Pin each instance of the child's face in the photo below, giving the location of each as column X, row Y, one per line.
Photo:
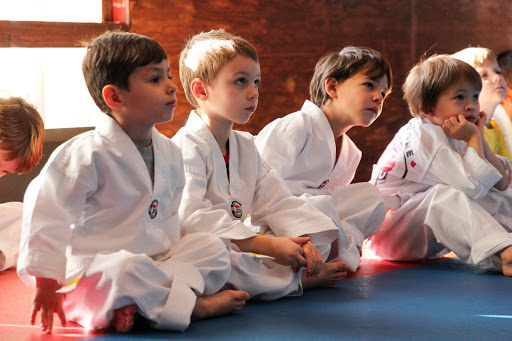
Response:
column 233, row 95
column 459, row 99
column 359, row 99
column 494, row 87
column 151, row 97
column 7, row 167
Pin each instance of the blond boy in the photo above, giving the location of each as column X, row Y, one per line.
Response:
column 227, row 180
column 494, row 90
column 503, row 113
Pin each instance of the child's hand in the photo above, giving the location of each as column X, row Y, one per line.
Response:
column 459, row 128
column 288, row 251
column 48, row 302
column 313, row 259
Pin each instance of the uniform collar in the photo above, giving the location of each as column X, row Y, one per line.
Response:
column 311, row 109
column 196, row 125
column 110, row 129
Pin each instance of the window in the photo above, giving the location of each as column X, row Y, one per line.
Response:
column 52, row 10
column 40, row 57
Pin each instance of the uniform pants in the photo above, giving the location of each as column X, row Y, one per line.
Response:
column 164, row 290
column 441, row 219
column 262, row 279
column 358, row 210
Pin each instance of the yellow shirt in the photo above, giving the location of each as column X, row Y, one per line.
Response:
column 496, row 140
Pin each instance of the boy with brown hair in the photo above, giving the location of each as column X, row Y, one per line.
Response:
column 103, row 213
column 21, row 147
column 453, row 189
column 313, row 154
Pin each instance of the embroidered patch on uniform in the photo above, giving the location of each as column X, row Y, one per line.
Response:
column 413, row 163
column 153, row 209
column 236, row 209
column 322, row 185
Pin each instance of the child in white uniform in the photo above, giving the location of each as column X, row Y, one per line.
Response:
column 21, row 147
column 312, row 152
column 227, row 179
column 452, row 187
column 99, row 207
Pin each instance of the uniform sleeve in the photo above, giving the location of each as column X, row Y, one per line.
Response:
column 10, row 232
column 53, row 203
column 468, row 173
column 288, row 215
column 197, row 213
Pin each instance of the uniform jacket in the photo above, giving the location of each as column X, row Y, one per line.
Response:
column 95, row 195
column 301, row 147
column 212, row 202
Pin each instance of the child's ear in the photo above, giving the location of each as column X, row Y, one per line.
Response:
column 112, row 97
column 331, row 87
column 198, row 88
column 427, row 113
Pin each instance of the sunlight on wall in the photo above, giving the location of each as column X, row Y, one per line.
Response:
column 52, row 80
column 51, row 10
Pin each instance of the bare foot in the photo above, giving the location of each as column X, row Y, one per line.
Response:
column 506, row 260
column 122, row 321
column 220, row 303
column 330, row 274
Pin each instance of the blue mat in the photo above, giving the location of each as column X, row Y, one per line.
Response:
column 445, row 300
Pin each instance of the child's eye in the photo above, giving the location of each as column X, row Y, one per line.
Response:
column 155, row 79
column 459, row 97
column 369, row 85
column 241, row 81
column 256, row 82
column 475, row 97
column 483, row 75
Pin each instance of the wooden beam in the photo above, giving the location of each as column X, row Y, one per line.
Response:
column 51, row 34
column 107, row 10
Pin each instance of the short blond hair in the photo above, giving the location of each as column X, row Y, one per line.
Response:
column 21, row 133
column 206, row 53
column 428, row 79
column 476, row 56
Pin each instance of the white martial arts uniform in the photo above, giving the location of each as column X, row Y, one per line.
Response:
column 215, row 203
column 447, row 197
column 10, row 231
column 94, row 206
column 505, row 123
column 301, row 147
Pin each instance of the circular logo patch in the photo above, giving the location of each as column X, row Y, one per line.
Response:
column 236, row 209
column 153, row 209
